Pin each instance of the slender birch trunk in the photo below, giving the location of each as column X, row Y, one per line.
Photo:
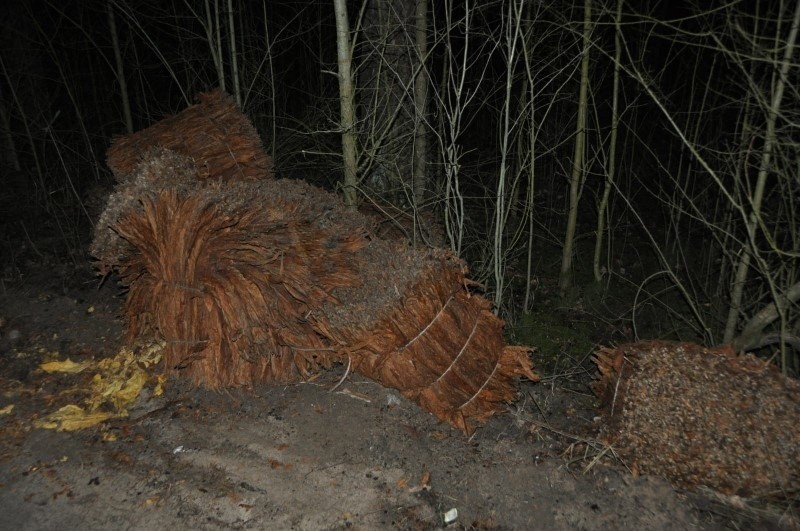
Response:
column 576, row 178
column 234, row 61
column 219, row 45
column 123, row 84
column 764, row 166
column 602, row 208
column 216, row 53
column 530, row 78
column 421, row 107
column 346, row 103
column 273, row 95
column 512, row 37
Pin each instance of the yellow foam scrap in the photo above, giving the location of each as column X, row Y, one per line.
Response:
column 66, row 365
column 117, row 383
column 72, row 417
column 123, row 377
column 161, row 381
column 121, row 391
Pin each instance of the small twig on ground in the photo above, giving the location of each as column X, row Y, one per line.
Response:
column 344, row 377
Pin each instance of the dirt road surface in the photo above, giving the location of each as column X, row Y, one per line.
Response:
column 304, row 456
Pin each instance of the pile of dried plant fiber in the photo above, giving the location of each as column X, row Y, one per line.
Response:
column 702, row 416
column 220, row 141
column 252, row 280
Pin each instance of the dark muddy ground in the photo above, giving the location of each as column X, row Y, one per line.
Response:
column 301, row 456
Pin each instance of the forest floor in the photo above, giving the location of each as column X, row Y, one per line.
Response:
column 304, row 456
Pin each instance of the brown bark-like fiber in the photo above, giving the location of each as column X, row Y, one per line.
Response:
column 228, row 273
column 701, row 416
column 232, row 288
column 440, row 346
column 261, row 280
column 159, row 169
column 219, row 139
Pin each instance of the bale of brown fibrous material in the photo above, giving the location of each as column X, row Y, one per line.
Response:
column 159, row 169
column 229, row 273
column 251, row 280
column 415, row 326
column 214, row 134
column 262, row 281
column 701, row 417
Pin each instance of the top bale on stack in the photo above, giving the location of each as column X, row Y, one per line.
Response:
column 220, row 139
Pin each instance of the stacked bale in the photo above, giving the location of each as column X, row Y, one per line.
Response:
column 250, row 280
column 438, row 343
column 219, row 139
column 228, row 273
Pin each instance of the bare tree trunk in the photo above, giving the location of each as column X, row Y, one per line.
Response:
column 346, row 103
column 421, row 100
column 214, row 44
column 513, row 30
column 452, row 98
column 273, row 94
column 527, row 50
column 123, row 84
column 234, row 61
column 602, row 208
column 576, row 178
column 219, row 45
column 763, row 170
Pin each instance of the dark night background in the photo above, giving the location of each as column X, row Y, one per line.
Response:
column 705, row 166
